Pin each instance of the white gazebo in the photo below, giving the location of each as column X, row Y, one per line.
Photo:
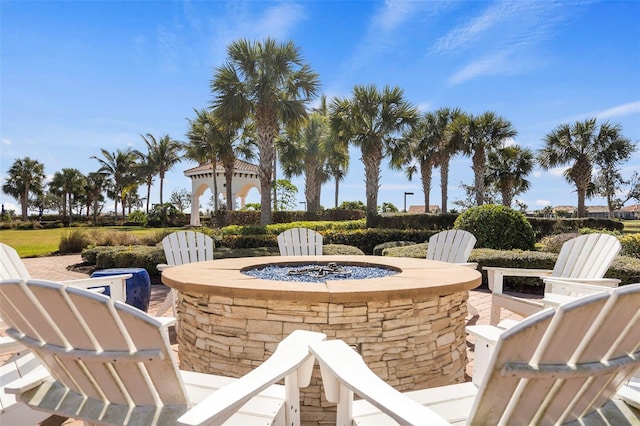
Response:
column 245, row 177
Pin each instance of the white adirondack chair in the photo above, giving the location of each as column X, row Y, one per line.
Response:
column 300, row 242
column 555, row 367
column 453, row 246
column 179, row 248
column 584, row 259
column 21, row 362
column 110, row 363
column 11, row 266
column 12, row 412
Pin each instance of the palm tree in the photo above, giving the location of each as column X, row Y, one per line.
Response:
column 120, row 166
column 373, row 120
column 96, row 183
column 306, row 151
column 478, row 135
column 447, row 148
column 424, row 140
column 163, row 154
column 23, row 178
column 582, row 145
column 268, row 83
column 507, row 170
column 67, row 183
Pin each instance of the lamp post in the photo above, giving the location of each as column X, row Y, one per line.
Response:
column 405, row 200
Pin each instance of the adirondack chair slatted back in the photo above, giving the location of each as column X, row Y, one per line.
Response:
column 11, row 264
column 300, row 242
column 586, row 256
column 453, row 246
column 555, row 369
column 186, row 247
column 87, row 342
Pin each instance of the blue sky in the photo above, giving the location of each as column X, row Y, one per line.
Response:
column 78, row 76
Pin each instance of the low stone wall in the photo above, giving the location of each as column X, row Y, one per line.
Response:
column 411, row 343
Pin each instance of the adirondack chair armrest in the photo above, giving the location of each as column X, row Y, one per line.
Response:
column 167, row 321
column 345, row 373
column 118, row 284
column 586, row 284
column 496, row 274
column 32, row 379
column 291, row 361
column 486, row 339
column 9, row 345
column 472, row 265
column 162, row 266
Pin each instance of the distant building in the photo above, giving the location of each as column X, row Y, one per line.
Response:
column 628, row 212
column 435, row 209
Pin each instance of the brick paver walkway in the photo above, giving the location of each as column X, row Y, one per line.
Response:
column 55, row 268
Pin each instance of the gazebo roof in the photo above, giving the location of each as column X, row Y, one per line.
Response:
column 239, row 166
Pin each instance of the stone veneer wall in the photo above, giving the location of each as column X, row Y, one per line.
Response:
column 410, row 343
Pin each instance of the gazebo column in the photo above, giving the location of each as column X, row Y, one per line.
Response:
column 195, row 206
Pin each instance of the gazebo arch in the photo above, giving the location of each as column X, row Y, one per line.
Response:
column 245, row 177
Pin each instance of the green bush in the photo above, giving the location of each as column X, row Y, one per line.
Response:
column 553, row 243
column 497, row 227
column 380, row 248
column 341, row 250
column 630, row 245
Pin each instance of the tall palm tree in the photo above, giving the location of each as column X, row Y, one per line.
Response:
column 306, row 151
column 507, row 170
column 447, row 148
column 268, row 83
column 25, row 177
column 477, row 136
column 163, row 154
column 95, row 185
column 423, row 141
column 67, row 183
column 120, row 166
column 582, row 145
column 373, row 120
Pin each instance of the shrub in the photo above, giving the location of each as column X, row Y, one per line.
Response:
column 341, row 250
column 380, row 248
column 74, row 241
column 166, row 215
column 630, row 245
column 497, row 227
column 553, row 243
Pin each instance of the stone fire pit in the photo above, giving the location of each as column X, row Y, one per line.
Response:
column 409, row 327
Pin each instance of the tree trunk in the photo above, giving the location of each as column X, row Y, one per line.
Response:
column 23, row 203
column 214, row 188
column 228, row 179
column 267, row 128
column 478, row 172
column 426, row 171
column 444, row 184
column 372, row 162
column 336, row 193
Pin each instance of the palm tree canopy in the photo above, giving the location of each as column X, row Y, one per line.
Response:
column 267, row 80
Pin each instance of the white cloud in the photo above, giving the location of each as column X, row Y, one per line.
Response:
column 6, row 141
column 542, row 202
column 557, row 171
column 620, row 110
column 488, row 65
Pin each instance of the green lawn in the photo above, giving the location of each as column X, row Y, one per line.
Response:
column 44, row 242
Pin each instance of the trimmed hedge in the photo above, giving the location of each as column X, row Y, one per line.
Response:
column 414, row 221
